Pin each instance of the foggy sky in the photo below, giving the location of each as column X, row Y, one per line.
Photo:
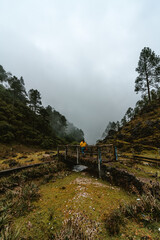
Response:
column 80, row 55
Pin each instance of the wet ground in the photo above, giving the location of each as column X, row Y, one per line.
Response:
column 79, row 168
column 79, row 203
column 78, row 198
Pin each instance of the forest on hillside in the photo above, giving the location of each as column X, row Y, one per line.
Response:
column 148, row 84
column 23, row 118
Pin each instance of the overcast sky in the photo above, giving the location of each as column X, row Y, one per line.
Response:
column 81, row 55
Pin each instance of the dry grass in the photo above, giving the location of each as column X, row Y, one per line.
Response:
column 21, row 159
column 145, row 209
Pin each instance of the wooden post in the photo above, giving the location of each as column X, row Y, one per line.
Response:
column 77, row 155
column 115, row 153
column 66, row 150
column 99, row 162
column 91, row 152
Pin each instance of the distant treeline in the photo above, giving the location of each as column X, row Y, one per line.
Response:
column 147, row 82
column 23, row 119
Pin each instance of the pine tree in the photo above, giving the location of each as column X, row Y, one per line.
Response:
column 17, row 88
column 35, row 99
column 3, row 75
column 149, row 72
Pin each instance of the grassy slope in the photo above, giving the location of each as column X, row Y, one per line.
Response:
column 141, row 170
column 20, row 155
column 144, row 129
column 75, row 195
column 89, row 199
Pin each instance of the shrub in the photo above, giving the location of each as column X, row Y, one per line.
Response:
column 7, row 138
column 19, row 201
column 147, row 205
column 47, row 143
column 114, row 222
column 12, row 163
column 7, row 233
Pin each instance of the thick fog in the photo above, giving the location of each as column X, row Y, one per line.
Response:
column 80, row 55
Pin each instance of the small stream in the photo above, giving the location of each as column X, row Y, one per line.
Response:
column 79, row 168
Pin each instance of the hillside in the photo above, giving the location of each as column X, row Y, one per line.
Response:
column 24, row 120
column 142, row 129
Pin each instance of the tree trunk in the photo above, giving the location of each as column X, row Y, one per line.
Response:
column 148, row 88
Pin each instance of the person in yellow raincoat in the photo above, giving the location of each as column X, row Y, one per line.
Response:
column 83, row 145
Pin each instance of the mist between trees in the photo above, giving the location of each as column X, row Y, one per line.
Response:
column 147, row 82
column 23, row 119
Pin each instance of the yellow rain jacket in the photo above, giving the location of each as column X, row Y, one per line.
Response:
column 83, row 144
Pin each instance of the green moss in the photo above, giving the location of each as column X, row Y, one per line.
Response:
column 91, row 198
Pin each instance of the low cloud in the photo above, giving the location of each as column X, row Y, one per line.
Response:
column 81, row 55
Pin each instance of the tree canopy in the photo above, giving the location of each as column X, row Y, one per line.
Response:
column 147, row 83
column 149, row 72
column 23, row 118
